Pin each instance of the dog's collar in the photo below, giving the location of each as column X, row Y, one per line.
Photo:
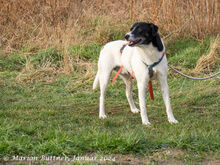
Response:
column 122, row 48
column 150, row 67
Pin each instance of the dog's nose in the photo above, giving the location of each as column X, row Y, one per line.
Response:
column 127, row 36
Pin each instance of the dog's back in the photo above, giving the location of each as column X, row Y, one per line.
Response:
column 109, row 58
column 111, row 51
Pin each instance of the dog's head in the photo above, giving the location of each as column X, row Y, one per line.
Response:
column 141, row 33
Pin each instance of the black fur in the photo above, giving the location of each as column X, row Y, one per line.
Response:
column 148, row 32
column 157, row 42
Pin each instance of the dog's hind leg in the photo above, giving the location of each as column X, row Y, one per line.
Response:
column 166, row 98
column 103, row 81
column 129, row 83
column 96, row 81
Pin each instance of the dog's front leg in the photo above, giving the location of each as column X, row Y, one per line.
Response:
column 166, row 98
column 128, row 82
column 141, row 96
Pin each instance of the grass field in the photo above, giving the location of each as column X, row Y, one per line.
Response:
column 45, row 112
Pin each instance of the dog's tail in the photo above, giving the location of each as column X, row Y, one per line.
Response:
column 96, row 81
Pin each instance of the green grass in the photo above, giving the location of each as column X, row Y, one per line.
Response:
column 60, row 118
column 187, row 52
column 88, row 52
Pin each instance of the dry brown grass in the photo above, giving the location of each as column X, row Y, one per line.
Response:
column 44, row 73
column 60, row 23
column 47, row 72
column 207, row 63
column 49, row 23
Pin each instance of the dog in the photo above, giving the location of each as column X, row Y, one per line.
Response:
column 142, row 48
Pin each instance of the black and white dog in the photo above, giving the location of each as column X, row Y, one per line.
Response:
column 144, row 48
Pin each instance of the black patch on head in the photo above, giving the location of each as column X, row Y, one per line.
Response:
column 149, row 32
column 154, row 29
column 157, row 42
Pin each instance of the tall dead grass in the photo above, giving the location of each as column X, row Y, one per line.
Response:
column 207, row 63
column 50, row 23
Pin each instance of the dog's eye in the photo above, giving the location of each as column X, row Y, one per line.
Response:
column 139, row 30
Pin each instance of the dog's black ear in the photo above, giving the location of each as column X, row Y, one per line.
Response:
column 154, row 29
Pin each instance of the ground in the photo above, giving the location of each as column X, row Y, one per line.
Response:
column 46, row 112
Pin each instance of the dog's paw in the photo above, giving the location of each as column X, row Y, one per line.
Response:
column 102, row 116
column 146, row 123
column 135, row 110
column 173, row 121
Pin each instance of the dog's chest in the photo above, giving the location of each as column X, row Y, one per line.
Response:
column 133, row 56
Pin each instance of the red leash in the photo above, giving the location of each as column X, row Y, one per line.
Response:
column 117, row 74
column 150, row 88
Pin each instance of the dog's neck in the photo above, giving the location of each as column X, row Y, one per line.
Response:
column 149, row 53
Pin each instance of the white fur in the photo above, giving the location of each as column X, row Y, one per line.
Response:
column 132, row 59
